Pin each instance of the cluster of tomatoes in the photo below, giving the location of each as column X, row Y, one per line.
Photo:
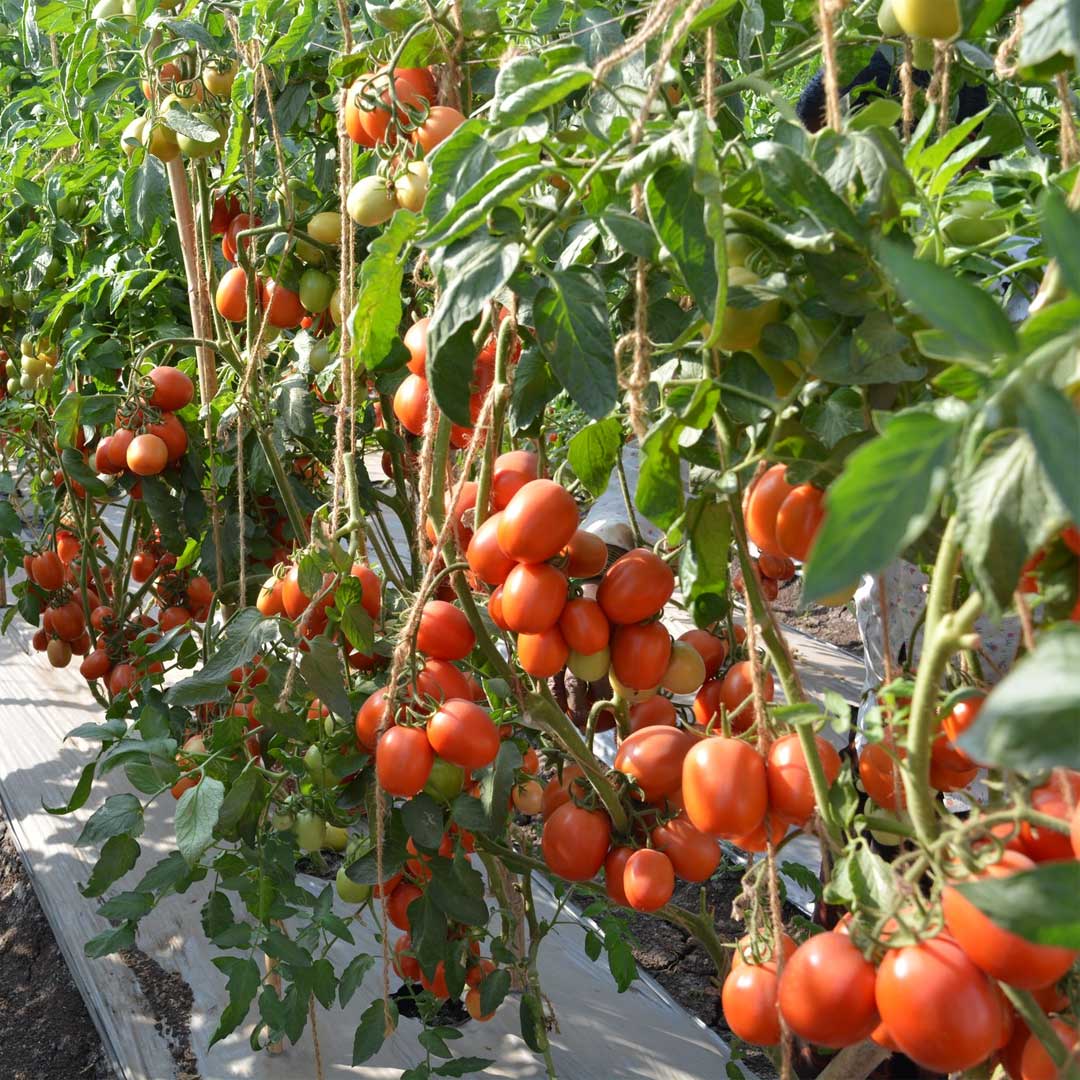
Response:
column 379, row 109
column 412, row 396
column 63, row 632
column 148, row 436
column 33, row 368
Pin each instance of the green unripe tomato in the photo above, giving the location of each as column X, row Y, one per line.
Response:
column 27, row 382
column 886, row 20
column 316, row 767
column 319, row 357
column 316, row 288
column 34, row 366
column 13, row 385
column 445, row 780
column 45, row 476
column 349, row 890
column 922, row 54
column 932, row 19
column 325, row 227
column 592, row 667
column 336, row 839
column 969, row 223
column 310, row 831
column 21, row 300
column 199, row 148
column 26, row 346
column 743, row 327
column 282, row 821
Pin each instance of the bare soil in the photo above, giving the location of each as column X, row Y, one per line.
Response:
column 834, row 625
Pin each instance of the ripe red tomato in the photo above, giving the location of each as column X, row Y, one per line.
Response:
column 172, row 433
column 231, row 296
column 59, row 653
column 511, row 472
column 147, row 455
column 653, row 712
column 442, row 121
column 938, row 1007
column 411, row 404
column 1004, row 955
column 371, row 589
column 544, row 654
column 1036, row 1063
column 713, row 649
column 636, row 587
column 723, row 787
column 421, row 80
column 772, row 830
column 558, row 790
column 762, row 505
column 282, row 306
column 486, row 559
column 533, row 597
column 586, row 555
column 957, row 722
column 694, row 855
column 68, row 621
column 791, row 795
column 119, row 442
column 1071, row 536
column 494, row 607
column 537, row 522
column 143, row 564
column 826, row 992
column 172, row 389
column 397, row 904
column 798, row 521
column 640, row 654
column 614, row 868
column 575, row 841
column 648, row 879
column 225, row 209
column 463, row 734
column 777, row 569
column 653, row 758
column 444, row 632
column 440, row 680
column 353, row 115
column 1057, row 797
column 748, row 1000
column 369, row 717
column 584, row 626
column 96, row 665
column 47, row 570
column 415, row 341
column 122, row 679
column 880, row 776
column 403, row 760
column 240, row 223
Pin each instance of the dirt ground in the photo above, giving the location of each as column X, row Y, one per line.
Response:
column 834, row 625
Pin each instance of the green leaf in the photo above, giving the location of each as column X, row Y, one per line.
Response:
column 493, row 989
column 539, row 94
column 972, row 316
column 424, row 821
column 246, row 791
column 462, row 1066
column 703, row 568
column 575, row 337
column 496, row 784
column 1049, row 43
column 1039, row 905
column 677, row 213
column 282, row 947
column 862, row 877
column 458, row 891
column 118, row 855
column 146, row 197
column 320, row 668
column 594, row 451
column 376, row 317
column 871, row 353
column 80, row 794
column 127, row 905
column 534, row 386
column 115, row 939
column 118, row 815
column 886, row 496
column 1061, row 233
column 427, row 926
column 244, row 980
column 621, row 962
column 196, row 815
column 353, row 975
column 659, row 494
column 1031, row 721
column 1053, row 425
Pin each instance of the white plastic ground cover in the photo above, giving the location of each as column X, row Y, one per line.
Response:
column 602, row 1035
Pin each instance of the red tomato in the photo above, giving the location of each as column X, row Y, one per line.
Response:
column 47, row 570
column 403, row 760
column 371, row 588
column 119, row 442
column 1057, row 797
column 415, row 341
column 614, row 868
column 411, row 404
column 653, row 758
column 653, row 712
column 636, row 587
column 559, row 789
column 724, row 787
column 240, row 223
column 147, row 455
column 122, row 679
column 231, row 296
column 1074, row 833
column 938, row 1007
column 408, row 967
column 798, row 521
column 586, row 555
column 173, row 434
column 494, row 607
column 282, row 305
column 748, row 1000
column 421, row 80
column 1036, row 1063
column 225, row 209
column 712, row 649
column 442, row 121
column 1004, row 955
column 762, row 506
column 826, row 992
column 440, row 680
column 955, row 724
column 142, row 566
column 776, row 568
column 68, row 621
column 511, row 472
column 172, row 617
column 584, row 626
column 694, row 855
column 1071, row 536
column 444, row 632
column 640, row 654
column 533, row 597
column 486, row 559
column 96, row 665
column 538, row 522
column 575, row 842
column 354, row 115
column 791, row 795
column 397, row 904
column 648, row 880
column 463, row 734
column 881, row 776
column 544, row 654
column 172, row 389
column 772, row 829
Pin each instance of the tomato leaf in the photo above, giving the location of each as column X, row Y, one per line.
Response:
column 118, row 856
column 1053, row 426
column 575, row 337
column 244, row 980
column 534, row 386
column 493, row 989
column 353, row 975
column 118, row 815
column 321, row 669
column 196, row 815
column 594, row 451
column 1039, row 905
column 462, row 1066
column 458, row 891
column 862, row 877
column 703, row 568
column 886, row 496
column 1061, row 233
column 1032, row 719
column 496, row 784
column 424, row 822
column 659, row 494
column 115, row 939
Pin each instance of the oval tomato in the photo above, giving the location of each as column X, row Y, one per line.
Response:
column 938, row 1007
column 748, row 1000
column 724, row 787
column 614, row 868
column 575, row 841
column 653, row 758
column 657, row 711
column 440, row 680
column 47, row 570
column 791, row 794
column 586, row 555
column 544, row 654
column 463, row 734
column 772, row 830
column 397, row 904
column 537, row 522
column 1057, row 797
column 486, row 559
column 798, row 521
column 403, row 760
column 494, row 606
column 444, row 632
column 511, row 472
column 636, row 587
column 584, row 626
column 880, row 775
column 533, row 597
column 1035, row 1061
column 411, row 404
column 712, row 649
column 559, row 789
column 685, row 672
column 648, row 880
column 415, row 341
column 173, row 434
column 826, row 992
column 147, row 455
column 694, row 855
column 640, row 655
column 762, row 506
column 282, row 306
column 172, row 388
column 231, row 297
column 369, row 717
column 442, row 121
